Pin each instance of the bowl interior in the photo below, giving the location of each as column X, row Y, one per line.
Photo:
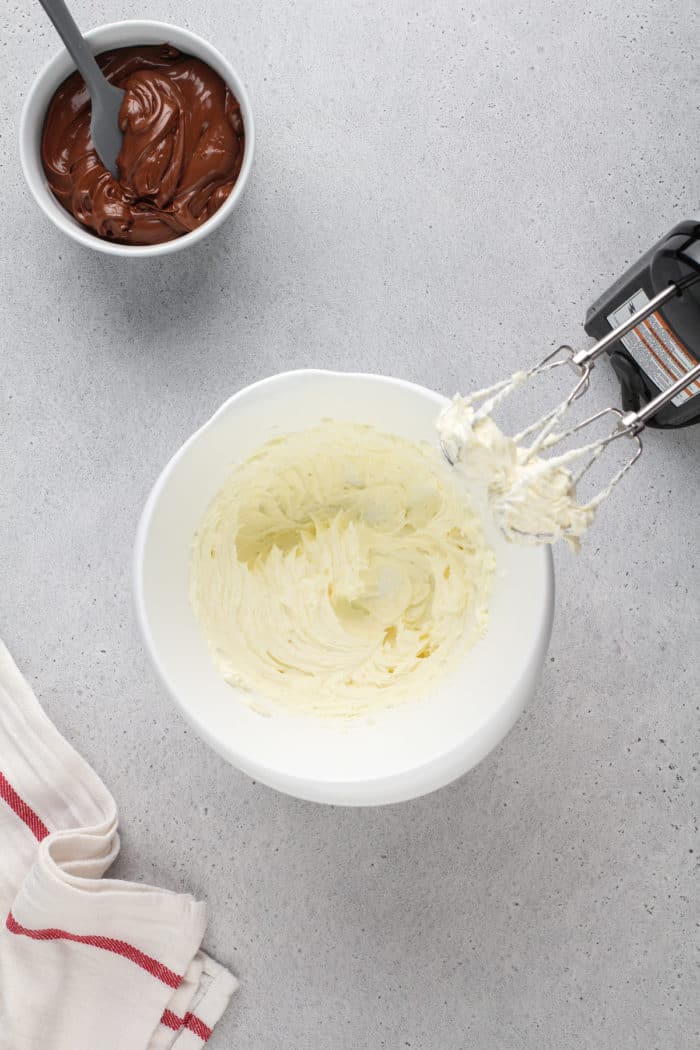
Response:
column 399, row 752
column 123, row 34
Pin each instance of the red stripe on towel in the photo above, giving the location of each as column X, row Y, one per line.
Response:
column 171, row 1020
column 108, row 944
column 23, row 811
column 191, row 1021
column 198, row 1027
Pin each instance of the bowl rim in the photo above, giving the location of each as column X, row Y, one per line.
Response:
column 395, row 787
column 36, row 180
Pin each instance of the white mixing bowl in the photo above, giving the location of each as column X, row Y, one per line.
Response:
column 401, row 753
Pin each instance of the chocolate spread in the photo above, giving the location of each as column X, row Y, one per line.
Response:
column 181, row 154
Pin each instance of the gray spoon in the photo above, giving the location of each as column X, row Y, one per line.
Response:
column 106, row 99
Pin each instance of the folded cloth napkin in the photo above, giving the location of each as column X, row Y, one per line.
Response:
column 86, row 963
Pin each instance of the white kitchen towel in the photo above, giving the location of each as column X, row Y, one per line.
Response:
column 86, row 963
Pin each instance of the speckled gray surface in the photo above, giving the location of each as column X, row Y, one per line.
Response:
column 438, row 189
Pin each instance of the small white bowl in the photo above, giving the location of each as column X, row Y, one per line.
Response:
column 125, row 34
column 400, row 753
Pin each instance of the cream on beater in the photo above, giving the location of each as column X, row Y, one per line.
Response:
column 532, row 497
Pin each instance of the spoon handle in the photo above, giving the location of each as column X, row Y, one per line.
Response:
column 76, row 44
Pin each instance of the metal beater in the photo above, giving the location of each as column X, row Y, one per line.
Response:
column 544, row 432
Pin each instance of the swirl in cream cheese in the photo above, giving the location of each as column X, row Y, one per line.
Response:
column 339, row 570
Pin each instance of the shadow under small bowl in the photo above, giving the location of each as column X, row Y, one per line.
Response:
column 398, row 753
column 104, row 38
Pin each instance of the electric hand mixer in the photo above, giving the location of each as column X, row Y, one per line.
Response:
column 657, row 365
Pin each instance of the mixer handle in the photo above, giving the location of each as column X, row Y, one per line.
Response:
column 585, row 358
column 633, row 422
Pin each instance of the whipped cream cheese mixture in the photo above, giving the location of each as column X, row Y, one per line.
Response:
column 532, row 498
column 340, row 570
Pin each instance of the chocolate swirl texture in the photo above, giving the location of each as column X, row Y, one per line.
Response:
column 180, row 158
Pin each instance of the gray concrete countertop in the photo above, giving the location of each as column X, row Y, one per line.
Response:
column 439, row 192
